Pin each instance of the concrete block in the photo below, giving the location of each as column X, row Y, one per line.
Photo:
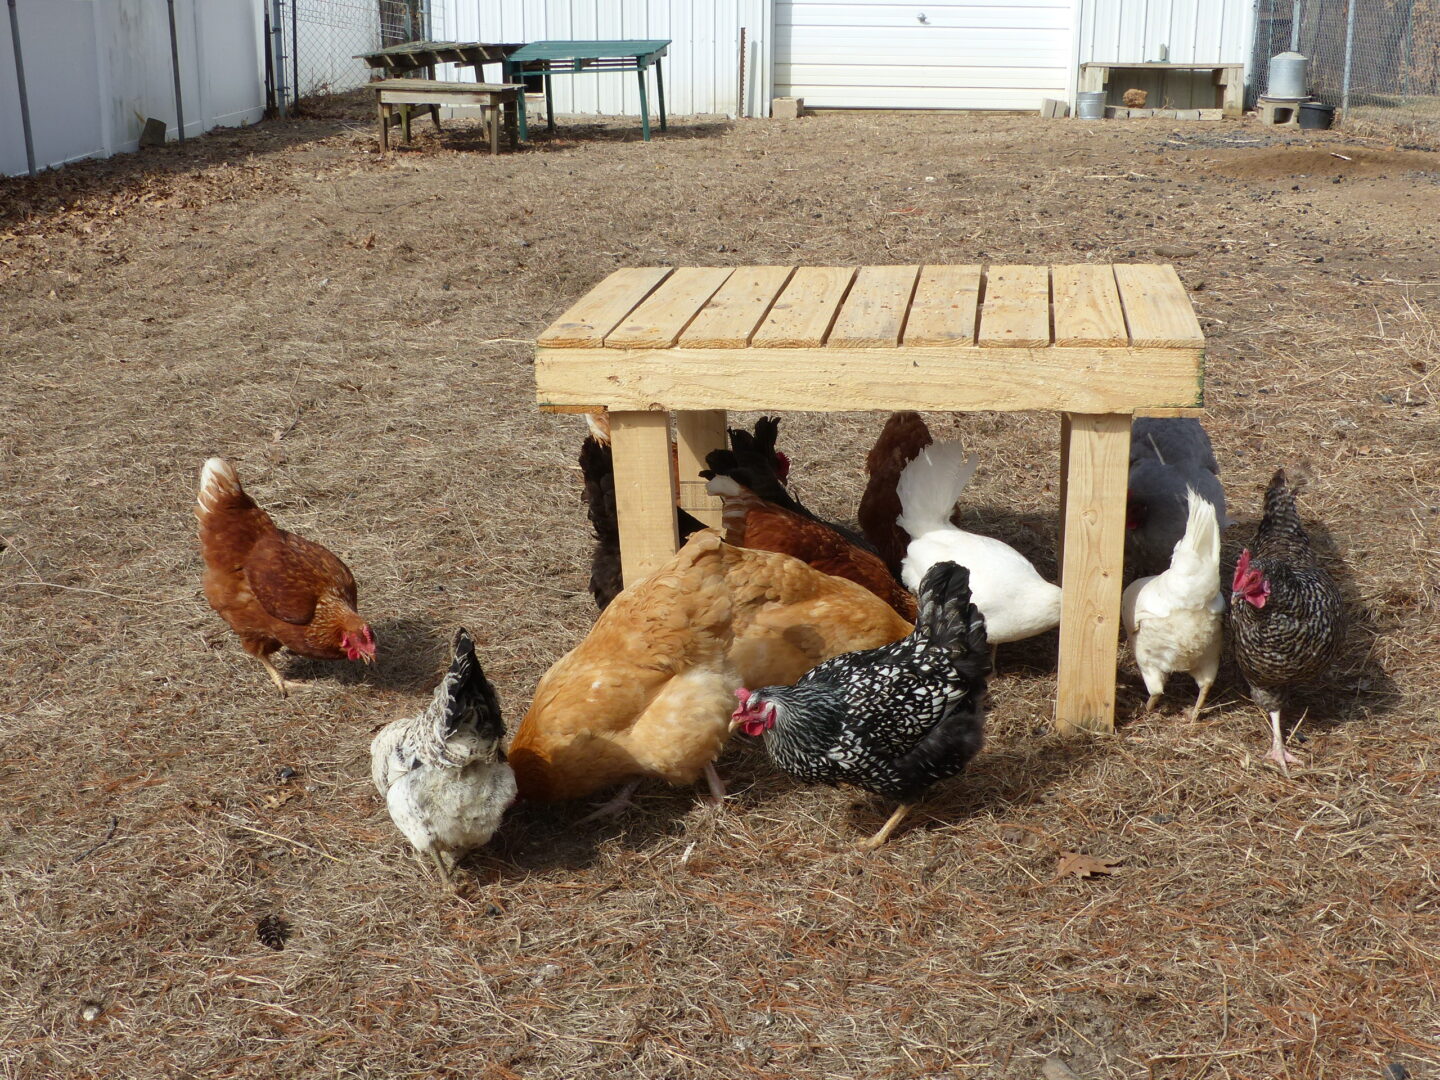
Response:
column 153, row 134
column 787, row 108
column 1053, row 109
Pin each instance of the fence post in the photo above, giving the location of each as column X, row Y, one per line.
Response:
column 175, row 70
column 1349, row 56
column 24, row 98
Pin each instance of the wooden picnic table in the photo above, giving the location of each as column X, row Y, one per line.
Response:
column 1098, row 344
column 425, row 56
column 401, row 95
column 550, row 58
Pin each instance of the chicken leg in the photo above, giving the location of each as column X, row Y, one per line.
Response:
column 283, row 684
column 1278, row 753
column 886, row 829
column 717, row 786
column 611, row 807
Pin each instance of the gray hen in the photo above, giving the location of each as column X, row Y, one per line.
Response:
column 443, row 773
column 1168, row 455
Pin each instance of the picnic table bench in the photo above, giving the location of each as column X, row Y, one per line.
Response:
column 401, row 95
column 1096, row 343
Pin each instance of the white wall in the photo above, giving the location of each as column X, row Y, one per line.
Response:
column 1198, row 31
column 96, row 69
column 701, row 69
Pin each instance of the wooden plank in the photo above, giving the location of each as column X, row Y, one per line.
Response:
column 657, row 322
column 729, row 320
column 696, row 434
column 873, row 314
column 644, row 492
column 943, row 379
column 1064, row 489
column 600, row 310
column 804, row 311
column 1098, row 469
column 1087, row 306
column 1157, row 308
column 945, row 308
column 1016, row 312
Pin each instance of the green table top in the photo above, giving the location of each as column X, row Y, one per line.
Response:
column 588, row 50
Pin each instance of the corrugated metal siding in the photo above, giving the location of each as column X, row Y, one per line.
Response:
column 701, row 69
column 95, row 71
column 910, row 54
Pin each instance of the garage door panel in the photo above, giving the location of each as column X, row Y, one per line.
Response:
column 820, row 75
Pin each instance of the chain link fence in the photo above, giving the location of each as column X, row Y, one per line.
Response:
column 1376, row 60
column 313, row 43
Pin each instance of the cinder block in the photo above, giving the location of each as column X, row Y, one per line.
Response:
column 787, row 108
column 1053, row 109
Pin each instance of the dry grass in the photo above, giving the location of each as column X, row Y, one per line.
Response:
column 352, row 332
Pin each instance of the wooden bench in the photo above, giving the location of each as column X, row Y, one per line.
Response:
column 1228, row 79
column 394, row 96
column 1096, row 343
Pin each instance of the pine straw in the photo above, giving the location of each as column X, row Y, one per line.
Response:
column 351, row 332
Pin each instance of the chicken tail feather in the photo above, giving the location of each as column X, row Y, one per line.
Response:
column 218, row 481
column 469, row 701
column 950, row 621
column 931, row 484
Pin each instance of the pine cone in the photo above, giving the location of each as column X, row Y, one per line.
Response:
column 273, row 931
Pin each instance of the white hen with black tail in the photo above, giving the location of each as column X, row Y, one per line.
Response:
column 892, row 720
column 443, row 774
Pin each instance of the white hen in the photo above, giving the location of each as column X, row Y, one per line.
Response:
column 1015, row 600
column 443, row 773
column 1174, row 619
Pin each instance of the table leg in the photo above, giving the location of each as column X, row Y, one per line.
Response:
column 384, row 114
column 549, row 103
column 660, row 93
column 405, row 122
column 696, row 434
column 511, row 74
column 644, row 492
column 495, row 129
column 644, row 104
column 1098, row 470
column 1064, row 490
column 435, row 116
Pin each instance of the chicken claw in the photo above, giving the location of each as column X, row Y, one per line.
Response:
column 886, row 829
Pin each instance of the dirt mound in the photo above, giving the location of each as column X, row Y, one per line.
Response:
column 1348, row 161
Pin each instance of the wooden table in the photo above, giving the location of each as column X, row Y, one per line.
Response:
column 392, row 95
column 550, row 58
column 1229, row 80
column 424, row 56
column 1096, row 343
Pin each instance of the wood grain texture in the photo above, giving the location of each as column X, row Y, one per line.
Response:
column 734, row 313
column 960, row 379
column 658, row 320
column 696, row 434
column 803, row 313
column 644, row 492
column 1016, row 312
column 945, row 308
column 1157, row 308
column 1087, row 307
column 600, row 310
column 874, row 311
column 1098, row 469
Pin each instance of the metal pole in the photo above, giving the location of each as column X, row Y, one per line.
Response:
column 175, row 68
column 1349, row 56
column 24, row 98
column 295, row 49
column 1295, row 26
column 277, row 47
column 740, row 90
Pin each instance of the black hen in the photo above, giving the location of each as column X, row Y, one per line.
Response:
column 597, row 467
column 1286, row 621
column 1168, row 456
column 892, row 720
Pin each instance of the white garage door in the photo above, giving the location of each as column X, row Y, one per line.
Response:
column 915, row 54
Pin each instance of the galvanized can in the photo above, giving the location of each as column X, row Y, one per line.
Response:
column 1090, row 105
column 1287, row 77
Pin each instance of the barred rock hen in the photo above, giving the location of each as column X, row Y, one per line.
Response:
column 751, row 522
column 892, row 720
column 1168, row 456
column 442, row 773
column 1174, row 619
column 1285, row 612
column 274, row 588
column 899, row 443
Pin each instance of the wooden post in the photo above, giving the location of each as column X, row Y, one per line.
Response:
column 644, row 492
column 1064, row 490
column 1098, row 471
column 696, row 434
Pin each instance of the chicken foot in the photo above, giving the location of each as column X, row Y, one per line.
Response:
column 438, row 861
column 283, row 684
column 1278, row 753
column 611, row 807
column 886, row 829
column 1200, row 701
column 717, row 786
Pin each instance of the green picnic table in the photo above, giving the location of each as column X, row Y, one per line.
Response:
column 549, row 58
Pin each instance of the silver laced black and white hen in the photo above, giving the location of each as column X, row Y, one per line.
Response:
column 892, row 720
column 443, row 774
column 1286, row 618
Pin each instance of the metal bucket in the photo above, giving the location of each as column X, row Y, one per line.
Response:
column 1287, row 77
column 1090, row 105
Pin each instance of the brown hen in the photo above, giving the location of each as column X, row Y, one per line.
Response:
column 274, row 588
column 899, row 443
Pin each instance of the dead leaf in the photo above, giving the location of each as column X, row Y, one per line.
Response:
column 1075, row 864
column 1056, row 1069
column 274, row 802
column 368, row 242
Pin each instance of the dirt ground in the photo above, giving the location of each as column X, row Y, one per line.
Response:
column 355, row 333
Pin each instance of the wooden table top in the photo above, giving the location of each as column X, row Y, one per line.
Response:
column 882, row 307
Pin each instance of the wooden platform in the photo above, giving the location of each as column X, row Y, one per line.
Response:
column 1096, row 343
column 1228, row 80
column 395, row 98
